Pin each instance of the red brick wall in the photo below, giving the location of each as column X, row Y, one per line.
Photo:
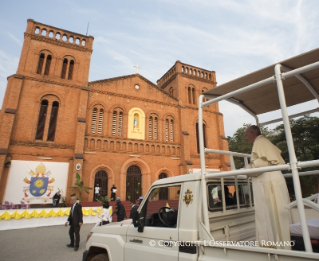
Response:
column 77, row 98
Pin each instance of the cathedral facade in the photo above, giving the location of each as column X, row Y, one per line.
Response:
column 125, row 131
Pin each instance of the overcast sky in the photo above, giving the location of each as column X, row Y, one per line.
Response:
column 230, row 37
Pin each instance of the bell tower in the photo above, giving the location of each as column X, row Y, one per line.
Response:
column 47, row 99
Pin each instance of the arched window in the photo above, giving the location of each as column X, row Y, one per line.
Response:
column 117, row 121
column 53, row 112
column 71, row 70
column 67, row 68
column 169, row 129
column 99, row 128
column 152, row 128
column 41, row 120
column 40, row 63
column 97, row 119
column 191, row 95
column 64, row 67
column 53, row 121
column 93, row 125
column 44, row 62
column 47, row 65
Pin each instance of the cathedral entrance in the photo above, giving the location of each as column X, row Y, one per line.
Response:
column 101, row 179
column 133, row 183
column 163, row 194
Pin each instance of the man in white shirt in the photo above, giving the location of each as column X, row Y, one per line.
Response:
column 269, row 190
column 97, row 191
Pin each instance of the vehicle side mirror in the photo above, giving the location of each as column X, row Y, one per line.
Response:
column 136, row 219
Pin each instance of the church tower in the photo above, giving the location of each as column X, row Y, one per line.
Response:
column 186, row 83
column 44, row 108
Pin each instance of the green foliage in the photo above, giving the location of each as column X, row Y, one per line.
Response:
column 238, row 143
column 63, row 204
column 305, row 132
column 102, row 199
column 79, row 187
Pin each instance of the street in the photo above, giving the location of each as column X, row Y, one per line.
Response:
column 41, row 244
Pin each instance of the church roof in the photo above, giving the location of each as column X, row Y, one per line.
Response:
column 119, row 78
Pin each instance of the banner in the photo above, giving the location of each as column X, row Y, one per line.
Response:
column 35, row 182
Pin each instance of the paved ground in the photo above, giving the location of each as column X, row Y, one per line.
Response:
column 41, row 244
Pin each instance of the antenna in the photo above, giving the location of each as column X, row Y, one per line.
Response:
column 87, row 29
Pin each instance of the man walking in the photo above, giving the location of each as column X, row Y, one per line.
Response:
column 75, row 222
column 119, row 210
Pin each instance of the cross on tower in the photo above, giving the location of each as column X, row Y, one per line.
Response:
column 137, row 67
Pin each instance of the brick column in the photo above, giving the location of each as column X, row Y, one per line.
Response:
column 9, row 110
column 80, row 134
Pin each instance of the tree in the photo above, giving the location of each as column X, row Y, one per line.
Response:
column 238, row 143
column 79, row 186
column 305, row 132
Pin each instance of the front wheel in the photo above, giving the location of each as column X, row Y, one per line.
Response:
column 100, row 257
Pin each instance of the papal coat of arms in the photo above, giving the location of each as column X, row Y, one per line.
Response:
column 39, row 184
column 188, row 197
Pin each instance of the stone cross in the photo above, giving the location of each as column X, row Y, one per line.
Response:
column 137, row 67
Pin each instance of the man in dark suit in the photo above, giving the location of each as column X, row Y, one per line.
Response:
column 133, row 207
column 75, row 221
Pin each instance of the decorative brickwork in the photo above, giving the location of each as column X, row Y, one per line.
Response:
column 92, row 126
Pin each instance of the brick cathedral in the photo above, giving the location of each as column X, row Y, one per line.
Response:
column 125, row 130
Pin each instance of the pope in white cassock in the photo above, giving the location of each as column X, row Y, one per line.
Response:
column 270, row 191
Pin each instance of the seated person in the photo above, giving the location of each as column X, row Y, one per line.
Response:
column 228, row 199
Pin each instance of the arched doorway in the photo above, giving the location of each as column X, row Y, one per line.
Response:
column 163, row 194
column 133, row 183
column 101, row 179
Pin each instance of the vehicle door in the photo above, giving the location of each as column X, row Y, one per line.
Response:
column 159, row 218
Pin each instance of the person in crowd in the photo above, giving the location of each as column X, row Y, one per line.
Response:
column 119, row 210
column 75, row 222
column 97, row 191
column 113, row 193
column 106, row 216
column 133, row 206
column 56, row 199
column 140, row 199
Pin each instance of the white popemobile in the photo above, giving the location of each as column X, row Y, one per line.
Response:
column 187, row 217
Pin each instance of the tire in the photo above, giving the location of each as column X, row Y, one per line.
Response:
column 100, row 257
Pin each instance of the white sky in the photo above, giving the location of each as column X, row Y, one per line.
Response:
column 230, row 37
